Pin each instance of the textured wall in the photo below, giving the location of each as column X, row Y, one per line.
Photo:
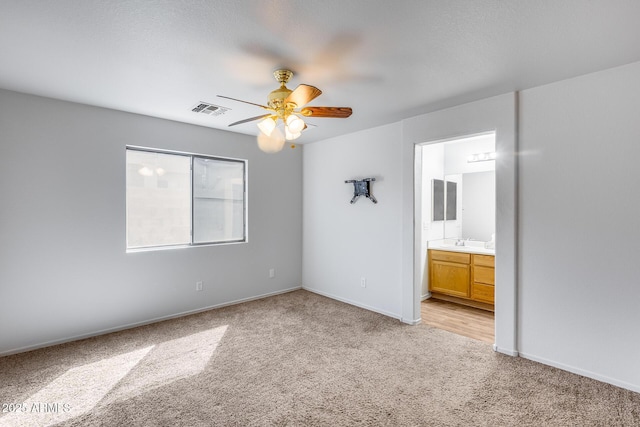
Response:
column 344, row 242
column 579, row 234
column 64, row 271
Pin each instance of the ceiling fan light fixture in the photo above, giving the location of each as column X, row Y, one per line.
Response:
column 271, row 143
column 290, row 136
column 267, row 126
column 286, row 108
column 295, row 124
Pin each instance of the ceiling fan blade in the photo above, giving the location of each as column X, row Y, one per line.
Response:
column 303, row 94
column 250, row 119
column 246, row 102
column 336, row 112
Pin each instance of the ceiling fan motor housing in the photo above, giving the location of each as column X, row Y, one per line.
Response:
column 276, row 97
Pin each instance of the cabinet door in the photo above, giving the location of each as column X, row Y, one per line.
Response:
column 450, row 278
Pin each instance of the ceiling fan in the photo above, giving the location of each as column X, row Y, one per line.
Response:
column 288, row 106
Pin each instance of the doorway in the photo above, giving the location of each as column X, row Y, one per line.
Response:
column 455, row 188
column 498, row 114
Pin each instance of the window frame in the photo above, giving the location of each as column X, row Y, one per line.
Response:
column 191, row 244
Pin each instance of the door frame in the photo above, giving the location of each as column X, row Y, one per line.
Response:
column 497, row 114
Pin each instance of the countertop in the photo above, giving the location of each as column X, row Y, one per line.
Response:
column 471, row 247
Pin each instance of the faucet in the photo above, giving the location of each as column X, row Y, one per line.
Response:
column 460, row 242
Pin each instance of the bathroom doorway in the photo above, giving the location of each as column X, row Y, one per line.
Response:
column 455, row 188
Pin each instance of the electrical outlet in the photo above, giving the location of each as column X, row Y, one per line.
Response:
column 199, row 286
column 363, row 282
column 272, row 273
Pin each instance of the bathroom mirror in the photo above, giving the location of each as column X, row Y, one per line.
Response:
column 475, row 195
column 458, row 195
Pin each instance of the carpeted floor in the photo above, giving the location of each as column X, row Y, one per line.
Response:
column 296, row 359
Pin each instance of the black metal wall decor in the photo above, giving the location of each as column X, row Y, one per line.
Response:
column 362, row 188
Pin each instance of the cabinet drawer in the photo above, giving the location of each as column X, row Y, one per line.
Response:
column 484, row 293
column 485, row 260
column 459, row 257
column 484, row 275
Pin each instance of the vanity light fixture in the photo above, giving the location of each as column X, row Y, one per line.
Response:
column 481, row 157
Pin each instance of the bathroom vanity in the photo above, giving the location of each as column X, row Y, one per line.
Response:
column 462, row 274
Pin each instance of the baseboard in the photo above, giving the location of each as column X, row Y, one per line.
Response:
column 357, row 304
column 582, row 372
column 508, row 352
column 144, row 322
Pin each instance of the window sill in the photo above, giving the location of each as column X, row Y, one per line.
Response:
column 173, row 247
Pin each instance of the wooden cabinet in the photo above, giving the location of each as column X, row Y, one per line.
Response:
column 483, row 274
column 469, row 278
column 449, row 273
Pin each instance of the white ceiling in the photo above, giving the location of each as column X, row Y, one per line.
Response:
column 388, row 60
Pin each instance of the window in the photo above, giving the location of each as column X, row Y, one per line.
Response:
column 178, row 199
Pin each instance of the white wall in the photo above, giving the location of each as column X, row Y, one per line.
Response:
column 344, row 242
column 579, row 212
column 64, row 271
column 431, row 158
column 432, row 168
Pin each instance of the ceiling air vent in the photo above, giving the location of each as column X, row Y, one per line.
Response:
column 209, row 109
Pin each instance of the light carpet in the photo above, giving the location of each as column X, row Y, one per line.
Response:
column 297, row 359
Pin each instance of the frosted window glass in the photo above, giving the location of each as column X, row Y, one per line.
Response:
column 158, row 199
column 218, row 200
